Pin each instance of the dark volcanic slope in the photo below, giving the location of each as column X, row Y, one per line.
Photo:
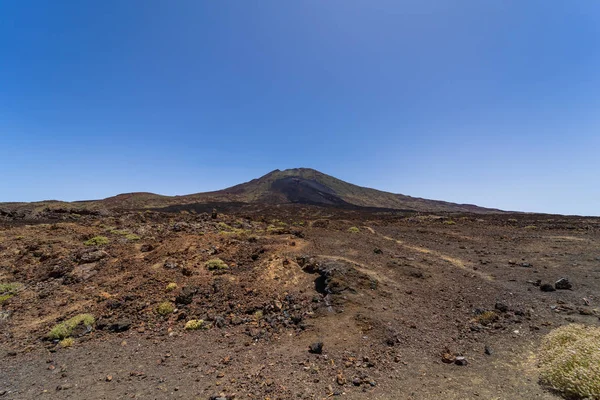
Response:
column 299, row 185
column 305, row 185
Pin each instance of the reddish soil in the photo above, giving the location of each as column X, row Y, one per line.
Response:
column 389, row 303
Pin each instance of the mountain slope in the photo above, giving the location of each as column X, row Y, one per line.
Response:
column 308, row 186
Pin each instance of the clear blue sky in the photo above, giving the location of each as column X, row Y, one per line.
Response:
column 494, row 102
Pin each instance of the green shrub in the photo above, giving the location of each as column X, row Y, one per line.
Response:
column 216, row 264
column 96, row 241
column 65, row 329
column 165, row 308
column 132, row 236
column 353, row 229
column 530, row 227
column 194, row 324
column 67, row 342
column 10, row 288
column 171, row 286
column 449, row 222
column 570, row 361
column 4, row 298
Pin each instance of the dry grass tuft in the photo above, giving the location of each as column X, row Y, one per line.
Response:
column 570, row 361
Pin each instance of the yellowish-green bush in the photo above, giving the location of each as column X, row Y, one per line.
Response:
column 449, row 222
column 530, row 227
column 10, row 288
column 132, row 236
column 65, row 329
column 5, row 297
column 165, row 308
column 570, row 361
column 353, row 229
column 216, row 264
column 96, row 241
column 67, row 342
column 171, row 286
column 194, row 324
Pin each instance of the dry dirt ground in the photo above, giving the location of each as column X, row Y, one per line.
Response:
column 393, row 303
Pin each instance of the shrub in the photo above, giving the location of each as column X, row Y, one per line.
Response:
column 353, row 229
column 65, row 329
column 132, row 236
column 171, row 286
column 96, row 241
column 194, row 324
column 486, row 318
column 216, row 264
column 449, row 222
column 10, row 288
column 67, row 342
column 222, row 226
column 4, row 298
column 165, row 308
column 530, row 227
column 570, row 361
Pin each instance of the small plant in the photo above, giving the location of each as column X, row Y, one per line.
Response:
column 530, row 227
column 96, row 241
column 194, row 324
column 449, row 222
column 222, row 226
column 570, row 361
column 165, row 308
column 171, row 286
column 258, row 315
column 8, row 290
column 353, row 229
column 67, row 342
column 216, row 264
column 65, row 329
column 132, row 236
column 486, row 318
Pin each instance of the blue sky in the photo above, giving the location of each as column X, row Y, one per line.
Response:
column 487, row 102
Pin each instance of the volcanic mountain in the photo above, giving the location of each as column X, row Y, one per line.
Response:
column 298, row 185
column 290, row 186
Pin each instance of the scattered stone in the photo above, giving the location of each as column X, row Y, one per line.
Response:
column 377, row 250
column 547, row 287
column 109, row 378
column 356, row 381
column 563, row 284
column 186, row 296
column 92, row 256
column 146, row 248
column 526, row 265
column 316, row 348
column 340, row 379
column 121, row 325
column 460, row 360
column 501, row 306
column 488, row 350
